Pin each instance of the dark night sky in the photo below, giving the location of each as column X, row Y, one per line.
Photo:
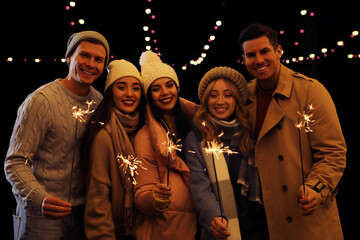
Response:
column 40, row 29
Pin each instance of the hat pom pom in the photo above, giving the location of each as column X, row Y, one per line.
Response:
column 149, row 56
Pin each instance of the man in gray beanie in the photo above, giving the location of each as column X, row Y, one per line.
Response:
column 42, row 163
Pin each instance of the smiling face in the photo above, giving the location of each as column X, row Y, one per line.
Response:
column 87, row 62
column 127, row 94
column 221, row 103
column 164, row 94
column 262, row 60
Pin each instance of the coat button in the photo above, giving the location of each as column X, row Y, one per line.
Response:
column 281, row 157
column 284, row 188
column 289, row 219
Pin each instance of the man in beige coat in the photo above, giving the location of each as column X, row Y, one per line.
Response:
column 277, row 94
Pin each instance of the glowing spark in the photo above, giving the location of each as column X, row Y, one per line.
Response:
column 204, row 123
column 81, row 114
column 216, row 148
column 306, row 119
column 132, row 163
column 171, row 146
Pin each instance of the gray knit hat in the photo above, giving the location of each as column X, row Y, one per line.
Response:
column 227, row 73
column 76, row 38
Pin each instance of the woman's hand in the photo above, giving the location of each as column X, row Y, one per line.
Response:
column 162, row 196
column 218, row 228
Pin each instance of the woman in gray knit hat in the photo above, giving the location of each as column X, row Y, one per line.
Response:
column 225, row 187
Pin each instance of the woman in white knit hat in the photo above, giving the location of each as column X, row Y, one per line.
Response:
column 163, row 190
column 109, row 211
column 225, row 187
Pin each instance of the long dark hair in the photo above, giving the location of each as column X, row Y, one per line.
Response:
column 98, row 120
column 182, row 123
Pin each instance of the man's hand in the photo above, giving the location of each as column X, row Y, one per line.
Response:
column 54, row 208
column 218, row 228
column 309, row 201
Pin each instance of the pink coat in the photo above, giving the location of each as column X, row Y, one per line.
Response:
column 179, row 220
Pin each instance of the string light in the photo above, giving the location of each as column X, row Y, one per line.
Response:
column 151, row 42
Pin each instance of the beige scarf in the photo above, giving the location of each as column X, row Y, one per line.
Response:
column 122, row 128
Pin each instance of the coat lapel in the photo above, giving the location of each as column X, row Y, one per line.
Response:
column 273, row 117
column 275, row 113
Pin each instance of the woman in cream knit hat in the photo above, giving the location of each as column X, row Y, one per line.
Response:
column 225, row 187
column 163, row 190
column 109, row 210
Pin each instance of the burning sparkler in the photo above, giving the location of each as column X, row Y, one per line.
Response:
column 81, row 114
column 306, row 119
column 130, row 163
column 216, row 148
column 171, row 146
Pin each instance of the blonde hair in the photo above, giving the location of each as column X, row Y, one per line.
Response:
column 209, row 131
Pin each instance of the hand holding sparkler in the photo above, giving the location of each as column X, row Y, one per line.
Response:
column 162, row 195
column 308, row 201
column 218, row 228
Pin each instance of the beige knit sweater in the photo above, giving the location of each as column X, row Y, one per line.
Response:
column 44, row 144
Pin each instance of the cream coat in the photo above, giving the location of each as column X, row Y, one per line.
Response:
column 277, row 156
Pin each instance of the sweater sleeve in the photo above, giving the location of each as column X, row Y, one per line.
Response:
column 30, row 129
column 202, row 193
column 98, row 219
column 146, row 179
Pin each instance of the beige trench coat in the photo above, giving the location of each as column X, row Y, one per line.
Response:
column 277, row 156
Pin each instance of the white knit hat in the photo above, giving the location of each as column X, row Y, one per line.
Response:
column 153, row 68
column 121, row 68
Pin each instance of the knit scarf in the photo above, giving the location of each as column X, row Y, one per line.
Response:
column 248, row 176
column 120, row 127
column 225, row 193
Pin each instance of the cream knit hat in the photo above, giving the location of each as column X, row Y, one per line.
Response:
column 76, row 38
column 227, row 73
column 153, row 68
column 121, row 68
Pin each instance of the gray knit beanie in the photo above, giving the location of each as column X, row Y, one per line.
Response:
column 225, row 73
column 76, row 38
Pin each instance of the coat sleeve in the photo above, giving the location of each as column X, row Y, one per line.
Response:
column 327, row 141
column 148, row 174
column 30, row 129
column 98, row 219
column 202, row 193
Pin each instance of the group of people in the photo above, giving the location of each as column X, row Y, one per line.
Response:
column 148, row 164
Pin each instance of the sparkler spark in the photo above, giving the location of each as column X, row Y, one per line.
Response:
column 132, row 163
column 216, row 148
column 171, row 146
column 306, row 119
column 81, row 114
